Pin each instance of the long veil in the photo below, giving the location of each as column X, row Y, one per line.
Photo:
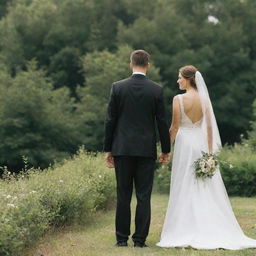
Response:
column 209, row 124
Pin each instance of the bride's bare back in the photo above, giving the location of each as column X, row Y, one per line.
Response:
column 192, row 106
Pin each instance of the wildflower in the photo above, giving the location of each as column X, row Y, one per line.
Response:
column 100, row 176
column 11, row 205
column 61, row 180
column 8, row 196
column 230, row 166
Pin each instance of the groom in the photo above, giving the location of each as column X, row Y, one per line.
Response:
column 135, row 105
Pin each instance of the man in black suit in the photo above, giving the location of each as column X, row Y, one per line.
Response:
column 135, row 105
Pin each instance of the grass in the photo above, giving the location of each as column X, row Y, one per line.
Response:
column 97, row 238
column 36, row 201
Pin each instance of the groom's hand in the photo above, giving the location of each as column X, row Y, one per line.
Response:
column 164, row 158
column 109, row 160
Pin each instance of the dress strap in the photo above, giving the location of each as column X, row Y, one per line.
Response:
column 181, row 103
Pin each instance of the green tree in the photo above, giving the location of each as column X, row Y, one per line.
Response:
column 180, row 33
column 3, row 7
column 50, row 32
column 35, row 120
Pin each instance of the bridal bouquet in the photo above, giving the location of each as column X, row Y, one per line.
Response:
column 205, row 167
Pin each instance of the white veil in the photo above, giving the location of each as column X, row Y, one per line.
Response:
column 209, row 124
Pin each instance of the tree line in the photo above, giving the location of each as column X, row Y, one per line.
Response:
column 58, row 59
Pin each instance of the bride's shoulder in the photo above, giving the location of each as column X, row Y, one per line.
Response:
column 176, row 97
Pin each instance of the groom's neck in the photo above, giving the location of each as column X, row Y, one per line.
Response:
column 139, row 69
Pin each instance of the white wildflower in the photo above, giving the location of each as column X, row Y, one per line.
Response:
column 61, row 181
column 100, row 176
column 213, row 19
column 11, row 205
column 231, row 166
column 8, row 196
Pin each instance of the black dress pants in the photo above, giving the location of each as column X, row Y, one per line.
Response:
column 140, row 172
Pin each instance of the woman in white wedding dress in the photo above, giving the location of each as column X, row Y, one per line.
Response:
column 199, row 214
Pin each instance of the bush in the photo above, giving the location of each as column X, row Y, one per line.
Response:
column 163, row 178
column 238, row 169
column 33, row 202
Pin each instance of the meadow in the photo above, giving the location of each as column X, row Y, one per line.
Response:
column 98, row 239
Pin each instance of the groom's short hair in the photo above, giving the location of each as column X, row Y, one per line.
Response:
column 140, row 58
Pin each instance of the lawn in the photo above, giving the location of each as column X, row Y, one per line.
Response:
column 96, row 238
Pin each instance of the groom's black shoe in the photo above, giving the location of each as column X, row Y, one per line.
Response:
column 140, row 244
column 121, row 244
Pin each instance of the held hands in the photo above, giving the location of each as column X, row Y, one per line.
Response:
column 164, row 158
column 109, row 160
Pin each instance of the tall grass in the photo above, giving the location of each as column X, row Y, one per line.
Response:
column 37, row 200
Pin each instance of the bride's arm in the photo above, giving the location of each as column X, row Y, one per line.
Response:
column 175, row 119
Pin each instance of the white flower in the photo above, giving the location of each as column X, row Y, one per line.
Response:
column 205, row 170
column 231, row 166
column 100, row 176
column 61, row 181
column 32, row 192
column 213, row 19
column 11, row 205
column 212, row 164
column 201, row 164
column 8, row 196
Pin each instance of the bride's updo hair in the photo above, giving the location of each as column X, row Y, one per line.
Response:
column 189, row 72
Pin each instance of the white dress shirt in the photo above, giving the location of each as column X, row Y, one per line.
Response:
column 139, row 73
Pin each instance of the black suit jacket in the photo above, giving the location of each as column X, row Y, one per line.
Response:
column 135, row 106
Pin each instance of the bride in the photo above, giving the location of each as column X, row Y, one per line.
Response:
column 199, row 214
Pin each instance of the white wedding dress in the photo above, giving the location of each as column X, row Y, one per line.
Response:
column 199, row 213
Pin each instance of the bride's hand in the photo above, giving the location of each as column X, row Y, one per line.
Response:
column 164, row 158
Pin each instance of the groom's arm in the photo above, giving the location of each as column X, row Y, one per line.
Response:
column 110, row 122
column 162, row 125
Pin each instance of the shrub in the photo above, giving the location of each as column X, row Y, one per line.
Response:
column 238, row 169
column 162, row 178
column 68, row 193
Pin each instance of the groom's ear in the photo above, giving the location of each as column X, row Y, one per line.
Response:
column 131, row 66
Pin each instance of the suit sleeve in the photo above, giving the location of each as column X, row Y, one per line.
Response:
column 110, row 122
column 162, row 125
